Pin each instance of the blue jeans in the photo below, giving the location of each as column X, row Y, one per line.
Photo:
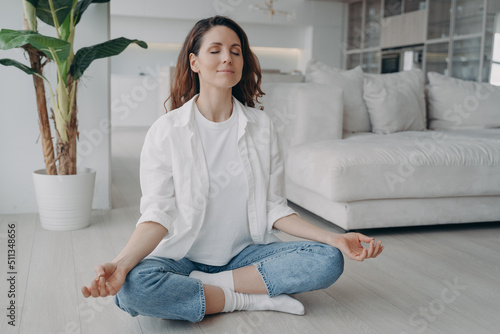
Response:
column 161, row 288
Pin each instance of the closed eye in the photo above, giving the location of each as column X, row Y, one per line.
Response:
column 234, row 53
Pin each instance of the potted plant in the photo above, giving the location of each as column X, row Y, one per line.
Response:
column 60, row 160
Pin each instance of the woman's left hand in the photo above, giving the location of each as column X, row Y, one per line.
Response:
column 350, row 245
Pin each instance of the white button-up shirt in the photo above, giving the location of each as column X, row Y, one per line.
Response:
column 175, row 179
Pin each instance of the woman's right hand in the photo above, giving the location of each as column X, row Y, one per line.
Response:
column 111, row 275
column 108, row 282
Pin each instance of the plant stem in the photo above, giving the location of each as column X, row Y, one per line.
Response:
column 43, row 117
column 61, row 108
column 54, row 18
column 71, row 37
column 29, row 16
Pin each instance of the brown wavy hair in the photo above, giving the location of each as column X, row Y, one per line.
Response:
column 185, row 83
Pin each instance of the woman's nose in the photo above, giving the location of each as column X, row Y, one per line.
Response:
column 227, row 57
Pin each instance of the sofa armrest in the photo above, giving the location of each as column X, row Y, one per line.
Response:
column 304, row 112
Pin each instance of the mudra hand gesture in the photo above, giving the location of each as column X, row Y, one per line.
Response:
column 350, row 245
column 108, row 282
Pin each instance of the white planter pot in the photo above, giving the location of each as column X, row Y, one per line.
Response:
column 64, row 201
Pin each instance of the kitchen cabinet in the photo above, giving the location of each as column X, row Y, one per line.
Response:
column 439, row 19
column 436, row 57
column 355, row 27
column 398, row 7
column 456, row 35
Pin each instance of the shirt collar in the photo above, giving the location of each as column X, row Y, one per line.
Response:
column 186, row 113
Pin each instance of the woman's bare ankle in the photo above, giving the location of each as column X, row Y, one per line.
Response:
column 248, row 280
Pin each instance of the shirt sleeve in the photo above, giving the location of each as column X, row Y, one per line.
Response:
column 276, row 204
column 157, row 184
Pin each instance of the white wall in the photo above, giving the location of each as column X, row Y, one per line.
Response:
column 316, row 26
column 315, row 31
column 20, row 152
column 165, row 37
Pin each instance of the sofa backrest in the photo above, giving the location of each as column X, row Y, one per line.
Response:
column 304, row 112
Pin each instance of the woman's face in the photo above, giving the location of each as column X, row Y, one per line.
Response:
column 219, row 63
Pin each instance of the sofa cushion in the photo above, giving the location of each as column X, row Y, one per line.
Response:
column 455, row 103
column 395, row 102
column 411, row 164
column 302, row 114
column 356, row 117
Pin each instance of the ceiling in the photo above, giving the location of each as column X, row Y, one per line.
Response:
column 343, row 1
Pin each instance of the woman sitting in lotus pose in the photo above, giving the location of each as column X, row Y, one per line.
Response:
column 213, row 194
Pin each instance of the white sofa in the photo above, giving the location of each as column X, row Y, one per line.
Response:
column 420, row 160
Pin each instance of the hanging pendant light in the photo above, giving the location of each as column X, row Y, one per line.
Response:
column 268, row 7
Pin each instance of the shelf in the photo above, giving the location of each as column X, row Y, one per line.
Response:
column 438, row 36
column 475, row 16
column 465, row 59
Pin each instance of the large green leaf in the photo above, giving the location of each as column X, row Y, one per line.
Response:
column 82, row 6
column 61, row 9
column 10, row 39
column 21, row 66
column 85, row 56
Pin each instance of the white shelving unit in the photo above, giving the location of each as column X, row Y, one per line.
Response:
column 457, row 35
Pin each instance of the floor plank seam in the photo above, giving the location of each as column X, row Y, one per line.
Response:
column 36, row 221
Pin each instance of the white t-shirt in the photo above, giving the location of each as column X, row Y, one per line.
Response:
column 225, row 231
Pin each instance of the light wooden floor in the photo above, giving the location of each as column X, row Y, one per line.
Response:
column 428, row 280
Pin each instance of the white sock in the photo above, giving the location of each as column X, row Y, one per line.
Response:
column 222, row 279
column 235, row 301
